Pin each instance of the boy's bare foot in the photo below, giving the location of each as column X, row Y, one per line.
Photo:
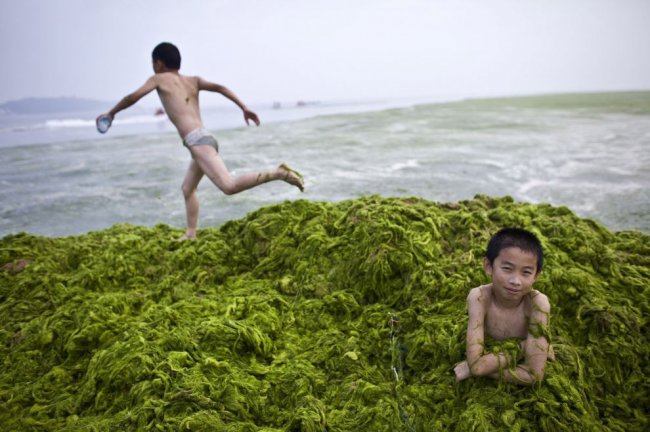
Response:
column 186, row 237
column 293, row 177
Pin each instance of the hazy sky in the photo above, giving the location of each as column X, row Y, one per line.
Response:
column 287, row 50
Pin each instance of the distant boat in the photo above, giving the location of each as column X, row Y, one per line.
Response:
column 301, row 103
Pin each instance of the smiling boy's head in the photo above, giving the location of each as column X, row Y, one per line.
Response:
column 515, row 237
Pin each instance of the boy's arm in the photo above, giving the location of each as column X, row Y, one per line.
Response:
column 479, row 364
column 132, row 98
column 217, row 88
column 536, row 346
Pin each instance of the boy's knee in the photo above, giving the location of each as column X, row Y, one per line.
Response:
column 187, row 191
column 228, row 187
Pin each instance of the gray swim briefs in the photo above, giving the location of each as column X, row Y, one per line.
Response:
column 200, row 136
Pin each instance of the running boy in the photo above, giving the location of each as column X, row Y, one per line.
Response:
column 509, row 307
column 179, row 95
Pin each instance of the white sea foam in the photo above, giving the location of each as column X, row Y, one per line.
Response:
column 411, row 163
column 89, row 123
column 65, row 123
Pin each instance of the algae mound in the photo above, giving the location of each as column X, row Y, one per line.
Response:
column 318, row 317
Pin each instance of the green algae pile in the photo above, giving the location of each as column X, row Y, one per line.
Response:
column 315, row 317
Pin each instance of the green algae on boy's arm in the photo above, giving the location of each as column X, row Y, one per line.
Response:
column 535, row 349
column 478, row 362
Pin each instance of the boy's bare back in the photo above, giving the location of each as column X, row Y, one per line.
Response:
column 179, row 95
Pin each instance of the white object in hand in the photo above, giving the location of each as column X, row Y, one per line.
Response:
column 103, row 123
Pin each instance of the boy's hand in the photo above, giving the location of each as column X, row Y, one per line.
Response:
column 106, row 114
column 250, row 115
column 462, row 371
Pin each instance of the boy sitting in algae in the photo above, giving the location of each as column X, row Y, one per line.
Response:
column 179, row 95
column 509, row 307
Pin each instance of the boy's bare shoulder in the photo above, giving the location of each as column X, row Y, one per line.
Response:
column 480, row 293
column 192, row 78
column 172, row 76
column 540, row 301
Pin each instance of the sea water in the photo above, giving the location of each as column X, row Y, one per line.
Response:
column 587, row 152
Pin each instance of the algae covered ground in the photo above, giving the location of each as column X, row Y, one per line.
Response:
column 310, row 316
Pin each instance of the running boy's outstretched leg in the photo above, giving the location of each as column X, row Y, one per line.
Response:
column 211, row 164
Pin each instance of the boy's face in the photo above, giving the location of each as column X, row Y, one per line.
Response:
column 513, row 273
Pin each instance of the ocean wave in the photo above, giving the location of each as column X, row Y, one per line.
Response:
column 564, row 159
column 65, row 123
column 86, row 123
column 411, row 163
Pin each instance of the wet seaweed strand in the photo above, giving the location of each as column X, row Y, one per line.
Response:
column 278, row 321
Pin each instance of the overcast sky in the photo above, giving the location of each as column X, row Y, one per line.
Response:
column 327, row 50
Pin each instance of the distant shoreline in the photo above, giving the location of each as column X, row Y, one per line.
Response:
column 63, row 105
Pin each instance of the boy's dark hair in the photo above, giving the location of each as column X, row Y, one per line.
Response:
column 168, row 54
column 515, row 237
